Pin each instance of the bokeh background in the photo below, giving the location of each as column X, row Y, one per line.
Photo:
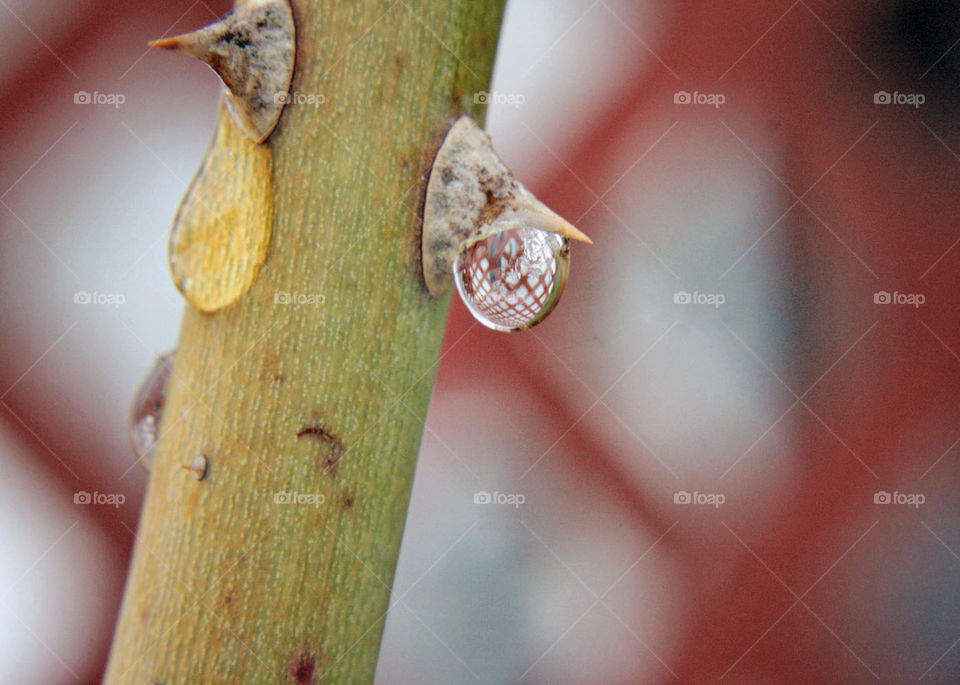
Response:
column 736, row 439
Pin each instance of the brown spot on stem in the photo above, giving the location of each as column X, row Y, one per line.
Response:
column 302, row 671
column 347, row 502
column 336, row 447
column 271, row 369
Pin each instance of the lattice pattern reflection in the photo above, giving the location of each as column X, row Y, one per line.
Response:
column 509, row 277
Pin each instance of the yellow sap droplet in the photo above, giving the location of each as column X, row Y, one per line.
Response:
column 222, row 229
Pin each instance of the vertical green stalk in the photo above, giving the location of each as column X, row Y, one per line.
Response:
column 275, row 567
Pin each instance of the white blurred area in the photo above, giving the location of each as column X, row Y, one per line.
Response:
column 568, row 587
column 54, row 574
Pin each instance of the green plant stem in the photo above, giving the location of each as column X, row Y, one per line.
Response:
column 324, row 398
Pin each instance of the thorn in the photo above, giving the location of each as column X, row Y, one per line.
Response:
column 173, row 43
column 252, row 50
column 471, row 195
column 532, row 212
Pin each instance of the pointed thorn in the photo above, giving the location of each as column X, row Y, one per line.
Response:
column 166, row 43
column 534, row 213
column 471, row 195
column 573, row 233
column 252, row 50
column 197, row 44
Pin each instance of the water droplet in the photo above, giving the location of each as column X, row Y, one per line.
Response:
column 221, row 233
column 513, row 280
column 147, row 410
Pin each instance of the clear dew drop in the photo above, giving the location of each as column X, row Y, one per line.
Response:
column 147, row 410
column 513, row 280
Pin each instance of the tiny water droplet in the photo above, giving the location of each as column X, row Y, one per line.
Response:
column 147, row 410
column 513, row 280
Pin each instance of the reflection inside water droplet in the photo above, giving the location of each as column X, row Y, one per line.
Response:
column 512, row 280
column 147, row 410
